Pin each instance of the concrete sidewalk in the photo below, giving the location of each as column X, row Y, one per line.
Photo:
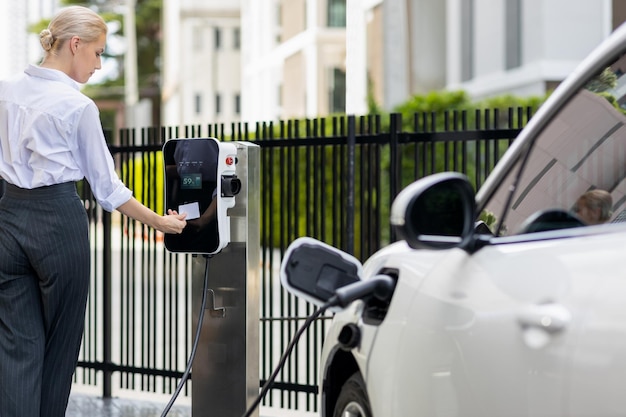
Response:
column 83, row 405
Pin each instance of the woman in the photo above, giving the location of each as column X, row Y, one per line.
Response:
column 51, row 137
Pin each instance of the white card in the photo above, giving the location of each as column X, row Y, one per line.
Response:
column 192, row 210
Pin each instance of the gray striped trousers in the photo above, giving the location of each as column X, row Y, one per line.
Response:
column 44, row 280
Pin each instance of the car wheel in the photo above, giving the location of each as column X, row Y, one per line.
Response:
column 353, row 400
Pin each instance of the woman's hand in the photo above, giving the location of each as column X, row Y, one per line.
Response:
column 173, row 222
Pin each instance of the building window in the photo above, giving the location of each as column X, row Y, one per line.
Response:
column 467, row 40
column 237, row 38
column 337, row 91
column 337, row 13
column 198, row 103
column 279, row 22
column 218, row 38
column 237, row 103
column 218, row 103
column 513, row 33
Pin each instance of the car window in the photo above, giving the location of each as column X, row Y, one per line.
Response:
column 575, row 171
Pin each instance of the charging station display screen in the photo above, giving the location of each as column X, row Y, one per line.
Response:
column 191, row 182
column 191, row 167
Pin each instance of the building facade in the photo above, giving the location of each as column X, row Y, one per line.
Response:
column 201, row 71
column 485, row 47
column 259, row 60
column 309, row 58
column 294, row 58
column 523, row 47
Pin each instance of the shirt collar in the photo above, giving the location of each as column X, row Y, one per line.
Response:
column 51, row 74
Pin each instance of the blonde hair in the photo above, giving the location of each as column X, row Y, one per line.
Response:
column 597, row 199
column 72, row 21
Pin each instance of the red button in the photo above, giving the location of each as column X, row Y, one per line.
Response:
column 229, row 160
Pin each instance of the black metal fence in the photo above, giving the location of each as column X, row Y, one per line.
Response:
column 333, row 179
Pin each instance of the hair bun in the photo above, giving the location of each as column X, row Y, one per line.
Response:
column 46, row 39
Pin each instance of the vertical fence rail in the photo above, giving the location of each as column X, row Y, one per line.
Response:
column 350, row 180
column 395, row 166
column 107, row 304
column 332, row 179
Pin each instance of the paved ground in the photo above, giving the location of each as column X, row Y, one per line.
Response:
column 87, row 405
column 83, row 405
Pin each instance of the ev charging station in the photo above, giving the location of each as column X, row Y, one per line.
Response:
column 217, row 185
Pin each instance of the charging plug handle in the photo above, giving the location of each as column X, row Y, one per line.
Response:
column 379, row 286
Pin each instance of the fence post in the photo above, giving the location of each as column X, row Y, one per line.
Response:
column 107, row 300
column 350, row 181
column 395, row 126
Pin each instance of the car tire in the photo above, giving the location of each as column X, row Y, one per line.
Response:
column 353, row 400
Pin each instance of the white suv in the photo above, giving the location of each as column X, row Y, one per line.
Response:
column 507, row 302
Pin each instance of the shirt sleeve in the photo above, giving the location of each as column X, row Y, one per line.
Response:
column 95, row 161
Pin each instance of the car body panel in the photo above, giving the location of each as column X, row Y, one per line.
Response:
column 466, row 338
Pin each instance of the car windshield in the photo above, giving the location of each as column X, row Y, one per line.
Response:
column 577, row 165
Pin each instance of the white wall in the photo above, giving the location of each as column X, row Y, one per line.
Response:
column 396, row 78
column 489, row 37
column 170, row 68
column 571, row 28
column 556, row 36
column 356, row 55
column 18, row 46
column 261, row 64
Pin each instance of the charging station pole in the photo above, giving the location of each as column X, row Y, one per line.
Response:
column 225, row 370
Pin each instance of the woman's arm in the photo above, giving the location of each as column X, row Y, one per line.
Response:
column 172, row 222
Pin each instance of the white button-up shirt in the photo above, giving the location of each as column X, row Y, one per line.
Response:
column 51, row 133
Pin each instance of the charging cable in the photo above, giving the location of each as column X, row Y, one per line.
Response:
column 185, row 376
column 379, row 286
column 283, row 359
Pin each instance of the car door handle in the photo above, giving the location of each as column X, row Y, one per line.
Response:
column 551, row 318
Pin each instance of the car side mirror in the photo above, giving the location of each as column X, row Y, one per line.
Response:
column 314, row 270
column 436, row 212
